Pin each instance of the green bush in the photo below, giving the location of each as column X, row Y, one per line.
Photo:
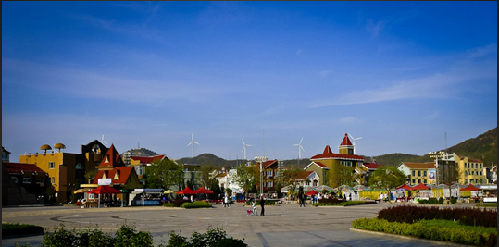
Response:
column 196, row 204
column 92, row 237
column 424, row 229
column 214, row 237
column 16, row 229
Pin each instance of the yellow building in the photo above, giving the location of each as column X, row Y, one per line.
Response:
column 471, row 170
column 345, row 158
column 65, row 170
column 416, row 173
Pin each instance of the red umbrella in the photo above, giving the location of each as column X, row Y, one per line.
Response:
column 105, row 189
column 420, row 186
column 187, row 191
column 470, row 188
column 404, row 187
column 313, row 192
column 203, row 190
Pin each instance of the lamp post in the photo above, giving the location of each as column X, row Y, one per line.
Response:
column 261, row 159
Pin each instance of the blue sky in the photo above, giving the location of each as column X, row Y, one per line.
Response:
column 401, row 75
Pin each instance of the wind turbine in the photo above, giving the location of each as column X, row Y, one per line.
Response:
column 104, row 142
column 244, row 148
column 354, row 139
column 192, row 143
column 300, row 147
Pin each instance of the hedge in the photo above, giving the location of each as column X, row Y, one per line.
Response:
column 16, row 229
column 196, row 204
column 464, row 236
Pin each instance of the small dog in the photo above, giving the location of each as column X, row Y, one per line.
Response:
column 248, row 212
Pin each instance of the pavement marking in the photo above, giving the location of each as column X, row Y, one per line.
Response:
column 262, row 239
column 328, row 240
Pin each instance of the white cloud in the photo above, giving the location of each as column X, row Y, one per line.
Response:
column 325, row 73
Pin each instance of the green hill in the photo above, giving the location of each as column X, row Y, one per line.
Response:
column 483, row 147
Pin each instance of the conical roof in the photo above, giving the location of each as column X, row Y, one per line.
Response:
column 346, row 141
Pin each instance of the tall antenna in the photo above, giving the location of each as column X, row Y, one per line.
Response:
column 445, row 137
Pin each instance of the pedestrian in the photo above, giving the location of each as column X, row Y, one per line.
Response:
column 262, row 205
column 254, row 208
column 226, row 201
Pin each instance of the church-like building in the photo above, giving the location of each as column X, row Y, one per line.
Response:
column 323, row 164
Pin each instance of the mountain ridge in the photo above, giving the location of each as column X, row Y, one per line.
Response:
column 483, row 147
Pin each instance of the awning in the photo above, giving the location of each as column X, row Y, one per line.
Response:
column 187, row 191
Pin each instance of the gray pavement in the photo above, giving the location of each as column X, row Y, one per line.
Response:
column 282, row 225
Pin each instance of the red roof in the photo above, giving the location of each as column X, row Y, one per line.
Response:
column 19, row 168
column 269, row 163
column 303, row 175
column 123, row 174
column 111, row 159
column 148, row 159
column 319, row 164
column 327, row 154
column 372, row 165
column 346, row 141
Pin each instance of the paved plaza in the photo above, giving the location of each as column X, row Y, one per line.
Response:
column 282, row 225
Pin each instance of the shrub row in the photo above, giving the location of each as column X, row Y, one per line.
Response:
column 196, row 204
column 179, row 202
column 214, row 237
column 125, row 236
column 463, row 236
column 466, row 215
column 16, row 229
column 453, row 200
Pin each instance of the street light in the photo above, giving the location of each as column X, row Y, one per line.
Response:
column 261, row 159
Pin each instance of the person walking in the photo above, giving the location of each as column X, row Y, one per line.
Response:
column 254, row 208
column 226, row 201
column 262, row 205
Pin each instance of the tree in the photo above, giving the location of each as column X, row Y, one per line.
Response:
column 247, row 177
column 164, row 174
column 206, row 175
column 387, row 178
column 341, row 175
column 90, row 175
column 289, row 178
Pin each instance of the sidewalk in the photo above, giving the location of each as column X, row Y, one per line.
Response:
column 284, row 225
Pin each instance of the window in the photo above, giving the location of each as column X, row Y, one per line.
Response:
column 413, row 181
column 15, row 179
column 419, row 173
column 425, row 181
column 269, row 173
column 51, row 165
column 466, row 165
column 472, row 165
column 79, row 166
column 465, row 173
column 52, row 180
column 26, row 180
column 413, row 173
column 424, row 174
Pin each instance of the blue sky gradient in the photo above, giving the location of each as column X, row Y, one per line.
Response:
column 401, row 75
